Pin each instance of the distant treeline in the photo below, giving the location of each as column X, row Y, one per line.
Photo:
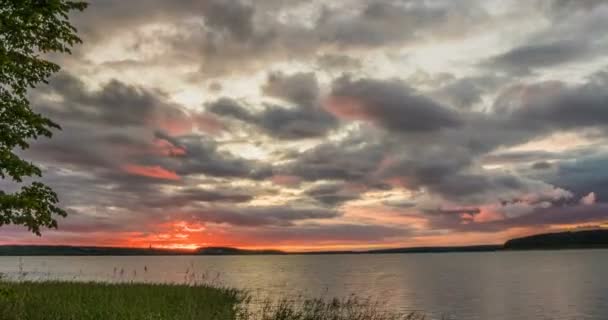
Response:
column 29, row 250
column 549, row 241
column 561, row 240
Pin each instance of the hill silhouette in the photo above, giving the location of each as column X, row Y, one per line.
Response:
column 561, row 240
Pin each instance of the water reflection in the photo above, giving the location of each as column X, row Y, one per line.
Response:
column 507, row 285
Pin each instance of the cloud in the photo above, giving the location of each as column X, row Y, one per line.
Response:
column 230, row 108
column 351, row 159
column 582, row 174
column 389, row 104
column 262, row 215
column 526, row 58
column 155, row 172
column 235, row 17
column 202, row 157
column 301, row 89
column 228, row 37
column 117, row 104
column 387, row 23
column 193, row 196
column 331, row 61
column 304, row 119
column 514, row 157
column 542, row 217
column 561, row 106
column 420, row 108
column 331, row 233
column 334, row 194
column 589, row 199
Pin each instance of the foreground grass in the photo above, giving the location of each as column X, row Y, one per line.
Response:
column 319, row 309
column 89, row 301
column 99, row 301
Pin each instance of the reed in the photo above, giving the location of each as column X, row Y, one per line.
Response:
column 54, row 300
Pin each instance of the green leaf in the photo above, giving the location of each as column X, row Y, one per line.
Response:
column 28, row 30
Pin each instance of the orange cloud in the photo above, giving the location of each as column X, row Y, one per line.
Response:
column 157, row 172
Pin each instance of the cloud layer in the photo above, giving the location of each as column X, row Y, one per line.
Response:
column 321, row 125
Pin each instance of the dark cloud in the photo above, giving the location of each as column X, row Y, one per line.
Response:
column 333, row 194
column 330, row 62
column 262, row 216
column 283, row 123
column 464, row 93
column 230, row 108
column 524, row 59
column 342, row 232
column 555, row 105
column 116, row 104
column 570, row 37
column 301, row 89
column 459, row 211
column 515, row 157
column 279, row 122
column 227, row 37
column 386, row 23
column 232, row 16
column 352, row 159
column 582, row 175
column 389, row 104
column 541, row 165
column 304, row 119
column 192, row 196
column 479, row 187
column 202, row 157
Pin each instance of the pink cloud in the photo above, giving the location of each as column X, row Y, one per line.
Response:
column 166, row 148
column 589, row 199
column 286, row 180
column 157, row 172
column 347, row 108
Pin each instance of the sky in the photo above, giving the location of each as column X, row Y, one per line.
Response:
column 325, row 125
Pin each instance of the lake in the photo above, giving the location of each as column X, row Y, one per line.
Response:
column 569, row 284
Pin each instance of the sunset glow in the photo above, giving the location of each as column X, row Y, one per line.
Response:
column 325, row 125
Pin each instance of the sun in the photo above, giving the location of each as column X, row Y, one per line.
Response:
column 180, row 246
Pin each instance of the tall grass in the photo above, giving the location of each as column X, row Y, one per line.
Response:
column 352, row 308
column 98, row 301
column 201, row 296
column 131, row 301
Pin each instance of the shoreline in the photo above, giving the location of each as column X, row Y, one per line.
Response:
column 311, row 253
column 584, row 239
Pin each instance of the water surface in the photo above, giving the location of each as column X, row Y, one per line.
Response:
column 570, row 284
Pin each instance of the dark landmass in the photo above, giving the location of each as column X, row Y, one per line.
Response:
column 34, row 250
column 587, row 239
column 480, row 248
column 29, row 250
column 211, row 251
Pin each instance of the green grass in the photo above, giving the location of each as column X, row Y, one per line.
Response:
column 352, row 308
column 131, row 301
column 95, row 301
